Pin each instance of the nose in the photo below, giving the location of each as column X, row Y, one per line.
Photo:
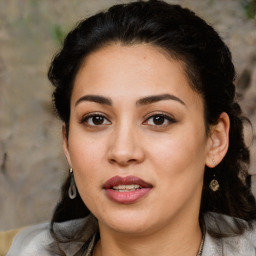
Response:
column 125, row 148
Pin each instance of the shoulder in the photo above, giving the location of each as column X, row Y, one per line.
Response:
column 37, row 239
column 229, row 244
column 6, row 238
column 31, row 241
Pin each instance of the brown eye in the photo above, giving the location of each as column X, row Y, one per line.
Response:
column 95, row 120
column 159, row 120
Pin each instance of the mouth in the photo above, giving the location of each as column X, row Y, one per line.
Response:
column 126, row 190
column 126, row 183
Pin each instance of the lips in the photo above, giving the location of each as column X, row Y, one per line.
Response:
column 126, row 190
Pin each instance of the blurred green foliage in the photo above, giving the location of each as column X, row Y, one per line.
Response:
column 250, row 8
column 58, row 34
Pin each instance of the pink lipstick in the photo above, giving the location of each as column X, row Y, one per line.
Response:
column 126, row 190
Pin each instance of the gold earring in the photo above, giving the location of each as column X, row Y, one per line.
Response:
column 214, row 184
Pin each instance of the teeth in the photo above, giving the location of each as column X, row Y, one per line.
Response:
column 126, row 188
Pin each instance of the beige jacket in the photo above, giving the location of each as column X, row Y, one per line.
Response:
column 35, row 240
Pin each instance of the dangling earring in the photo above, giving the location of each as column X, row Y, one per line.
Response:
column 214, row 184
column 72, row 192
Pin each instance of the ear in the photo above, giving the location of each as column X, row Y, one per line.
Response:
column 65, row 144
column 218, row 141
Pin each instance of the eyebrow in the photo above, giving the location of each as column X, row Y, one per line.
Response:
column 160, row 97
column 95, row 98
column 143, row 101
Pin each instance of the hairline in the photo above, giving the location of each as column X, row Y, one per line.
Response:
column 168, row 53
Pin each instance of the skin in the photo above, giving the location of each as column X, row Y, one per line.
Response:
column 169, row 154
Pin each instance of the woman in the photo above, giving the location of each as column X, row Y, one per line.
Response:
column 153, row 137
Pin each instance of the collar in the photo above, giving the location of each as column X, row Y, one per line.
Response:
column 242, row 245
column 229, row 244
column 68, row 231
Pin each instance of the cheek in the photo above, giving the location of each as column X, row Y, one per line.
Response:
column 180, row 154
column 87, row 157
column 85, row 149
column 175, row 148
column 179, row 169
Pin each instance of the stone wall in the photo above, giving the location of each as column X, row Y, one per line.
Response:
column 32, row 165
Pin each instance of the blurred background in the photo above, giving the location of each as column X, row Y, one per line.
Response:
column 32, row 164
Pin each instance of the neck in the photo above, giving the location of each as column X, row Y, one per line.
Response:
column 178, row 240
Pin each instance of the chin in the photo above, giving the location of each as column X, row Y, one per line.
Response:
column 130, row 228
column 129, row 223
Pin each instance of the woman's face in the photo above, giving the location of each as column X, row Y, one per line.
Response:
column 137, row 140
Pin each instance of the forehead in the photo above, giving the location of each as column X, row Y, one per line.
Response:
column 137, row 70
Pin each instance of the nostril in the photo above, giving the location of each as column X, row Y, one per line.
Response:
column 122, row 162
column 125, row 149
column 123, row 157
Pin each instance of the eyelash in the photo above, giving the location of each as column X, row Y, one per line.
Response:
column 85, row 119
column 167, row 118
column 161, row 115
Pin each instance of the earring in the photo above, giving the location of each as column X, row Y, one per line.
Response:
column 214, row 184
column 72, row 192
